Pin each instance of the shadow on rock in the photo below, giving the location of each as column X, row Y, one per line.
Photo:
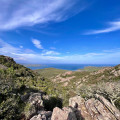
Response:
column 52, row 102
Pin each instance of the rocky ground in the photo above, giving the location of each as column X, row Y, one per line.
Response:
column 97, row 108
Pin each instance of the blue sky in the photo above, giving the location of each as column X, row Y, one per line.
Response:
column 61, row 31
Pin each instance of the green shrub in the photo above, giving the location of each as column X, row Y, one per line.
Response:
column 117, row 103
column 52, row 103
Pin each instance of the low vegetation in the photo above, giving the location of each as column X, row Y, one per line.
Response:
column 50, row 72
column 15, row 81
column 87, row 82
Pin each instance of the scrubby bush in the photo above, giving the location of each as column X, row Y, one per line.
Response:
column 117, row 103
column 52, row 102
column 11, row 107
column 111, row 91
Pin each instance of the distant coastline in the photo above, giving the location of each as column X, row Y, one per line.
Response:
column 32, row 65
column 71, row 67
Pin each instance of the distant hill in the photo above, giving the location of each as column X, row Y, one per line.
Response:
column 50, row 72
column 32, row 65
column 91, row 68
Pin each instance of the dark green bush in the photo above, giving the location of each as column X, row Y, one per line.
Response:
column 117, row 103
column 52, row 103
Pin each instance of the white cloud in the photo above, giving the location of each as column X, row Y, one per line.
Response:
column 21, row 46
column 36, row 58
column 113, row 26
column 27, row 55
column 111, row 56
column 20, row 13
column 112, row 50
column 37, row 43
column 50, row 53
column 7, row 49
column 93, row 58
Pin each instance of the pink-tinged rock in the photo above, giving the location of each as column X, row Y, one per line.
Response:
column 36, row 117
column 63, row 114
column 81, row 110
column 112, row 109
column 42, row 115
column 97, row 108
column 98, row 111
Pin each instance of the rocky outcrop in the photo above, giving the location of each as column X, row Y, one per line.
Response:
column 42, row 115
column 63, row 79
column 34, row 104
column 79, row 104
column 116, row 72
column 67, row 73
column 66, row 113
column 3, row 67
column 109, row 106
column 6, row 60
column 36, row 99
column 97, row 108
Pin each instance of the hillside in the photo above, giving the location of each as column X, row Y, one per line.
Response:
column 34, row 95
column 88, row 81
column 50, row 72
column 16, row 81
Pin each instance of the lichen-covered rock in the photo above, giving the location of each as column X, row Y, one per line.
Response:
column 2, row 67
column 43, row 115
column 97, row 108
column 73, row 102
column 34, row 104
column 81, row 112
column 36, row 117
column 36, row 99
column 112, row 109
column 63, row 114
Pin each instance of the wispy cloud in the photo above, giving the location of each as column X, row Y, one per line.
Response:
column 36, row 58
column 52, row 48
column 46, row 52
column 88, row 58
column 21, row 46
column 112, row 50
column 7, row 49
column 24, row 55
column 112, row 26
column 37, row 43
column 93, row 58
column 14, row 14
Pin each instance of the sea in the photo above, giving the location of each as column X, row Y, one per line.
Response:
column 71, row 67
